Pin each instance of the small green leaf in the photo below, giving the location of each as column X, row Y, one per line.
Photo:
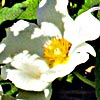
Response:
column 69, row 78
column 98, row 15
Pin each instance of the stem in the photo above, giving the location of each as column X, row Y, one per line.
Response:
column 85, row 80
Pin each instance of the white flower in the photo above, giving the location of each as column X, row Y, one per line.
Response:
column 53, row 48
column 29, row 68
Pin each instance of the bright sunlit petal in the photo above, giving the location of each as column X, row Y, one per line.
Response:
column 84, row 47
column 29, row 63
column 26, row 82
column 50, row 29
column 62, row 70
column 88, row 26
column 19, row 26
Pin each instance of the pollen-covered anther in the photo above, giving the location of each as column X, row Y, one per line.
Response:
column 56, row 51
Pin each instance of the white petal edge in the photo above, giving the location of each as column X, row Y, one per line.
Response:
column 48, row 92
column 83, row 47
column 42, row 3
column 61, row 6
column 2, row 47
column 50, row 29
column 89, row 26
column 19, row 26
column 32, row 64
column 25, row 82
column 62, row 70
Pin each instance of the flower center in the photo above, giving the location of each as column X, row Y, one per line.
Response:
column 56, row 51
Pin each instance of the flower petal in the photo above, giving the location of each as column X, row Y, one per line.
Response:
column 71, row 31
column 52, row 11
column 89, row 26
column 26, row 82
column 2, row 47
column 31, row 64
column 83, row 47
column 50, row 29
column 19, row 26
column 24, row 41
column 62, row 70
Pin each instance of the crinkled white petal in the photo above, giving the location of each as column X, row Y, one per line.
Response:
column 50, row 29
column 89, row 26
column 83, row 47
column 19, row 26
column 31, row 64
column 52, row 11
column 7, row 60
column 62, row 70
column 24, row 81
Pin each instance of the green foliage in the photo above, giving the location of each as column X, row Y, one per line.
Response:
column 88, row 4
column 97, row 75
column 69, row 78
column 30, row 12
column 10, row 13
column 17, row 11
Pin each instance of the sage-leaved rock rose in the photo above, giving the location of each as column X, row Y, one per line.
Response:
column 38, row 54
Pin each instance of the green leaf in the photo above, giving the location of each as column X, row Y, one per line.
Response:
column 30, row 12
column 25, row 10
column 91, row 3
column 10, row 13
column 69, row 78
column 88, row 4
column 97, row 75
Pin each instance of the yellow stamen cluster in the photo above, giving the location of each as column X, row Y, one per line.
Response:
column 56, row 51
